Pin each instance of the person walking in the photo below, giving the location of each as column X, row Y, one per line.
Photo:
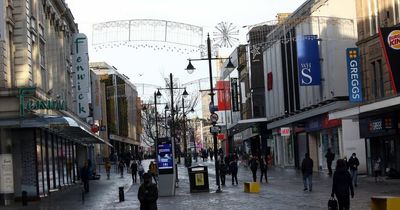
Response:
column 108, row 168
column 141, row 171
column 342, row 185
column 85, row 176
column 353, row 164
column 148, row 194
column 233, row 167
column 253, row 168
column 307, row 170
column 263, row 168
column 330, row 156
column 121, row 166
column 134, row 169
column 378, row 169
column 222, row 171
column 153, row 171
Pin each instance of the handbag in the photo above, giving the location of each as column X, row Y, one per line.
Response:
column 332, row 204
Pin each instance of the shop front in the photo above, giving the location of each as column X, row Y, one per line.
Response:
column 381, row 133
column 284, row 146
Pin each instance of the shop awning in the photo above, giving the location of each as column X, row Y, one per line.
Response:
column 242, row 125
column 63, row 126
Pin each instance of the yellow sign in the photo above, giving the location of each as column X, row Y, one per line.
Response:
column 199, row 179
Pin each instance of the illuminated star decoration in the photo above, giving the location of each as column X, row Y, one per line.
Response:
column 255, row 50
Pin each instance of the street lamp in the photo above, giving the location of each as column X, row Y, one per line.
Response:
column 190, row 69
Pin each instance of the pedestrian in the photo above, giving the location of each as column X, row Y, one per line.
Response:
column 342, row 186
column 353, row 164
column 253, row 167
column 140, row 171
column 378, row 169
column 263, row 168
column 134, row 169
column 222, row 171
column 153, row 171
column 108, row 168
column 233, row 167
column 121, row 166
column 85, row 176
column 211, row 154
column 307, row 170
column 148, row 194
column 330, row 156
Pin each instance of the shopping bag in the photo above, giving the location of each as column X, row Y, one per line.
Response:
column 332, row 204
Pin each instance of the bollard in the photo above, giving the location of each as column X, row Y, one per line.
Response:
column 121, row 194
column 24, row 198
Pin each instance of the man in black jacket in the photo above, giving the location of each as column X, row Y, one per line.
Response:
column 307, row 170
column 353, row 165
column 342, row 185
column 148, row 194
column 330, row 156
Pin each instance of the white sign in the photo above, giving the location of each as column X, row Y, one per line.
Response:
column 285, row 131
column 82, row 76
column 6, row 174
column 2, row 21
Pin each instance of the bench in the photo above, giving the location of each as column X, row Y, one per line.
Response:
column 252, row 187
column 385, row 203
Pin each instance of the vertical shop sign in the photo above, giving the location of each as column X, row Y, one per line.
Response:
column 354, row 75
column 6, row 174
column 224, row 94
column 81, row 70
column 308, row 60
column 235, row 97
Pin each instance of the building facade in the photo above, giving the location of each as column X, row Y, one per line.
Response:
column 38, row 98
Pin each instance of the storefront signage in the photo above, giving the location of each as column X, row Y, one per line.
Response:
column 81, row 70
column 285, row 131
column 354, row 75
column 235, row 97
column 378, row 126
column 308, row 60
column 33, row 104
column 2, row 21
column 390, row 41
column 6, row 174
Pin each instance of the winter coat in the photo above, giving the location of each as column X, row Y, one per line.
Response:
column 148, row 195
column 342, row 184
column 253, row 164
column 233, row 167
column 330, row 156
column 353, row 163
column 222, row 169
column 307, row 166
column 134, row 167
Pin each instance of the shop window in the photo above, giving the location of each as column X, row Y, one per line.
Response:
column 377, row 80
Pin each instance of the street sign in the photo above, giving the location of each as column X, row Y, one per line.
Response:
column 215, row 129
column 214, row 117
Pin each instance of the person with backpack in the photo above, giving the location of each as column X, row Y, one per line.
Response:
column 263, row 168
column 233, row 167
column 134, row 169
column 342, row 185
column 222, row 171
column 353, row 164
column 330, row 156
column 141, row 171
column 254, row 167
column 121, row 166
column 148, row 194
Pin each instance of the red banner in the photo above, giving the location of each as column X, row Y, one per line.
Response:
column 224, row 95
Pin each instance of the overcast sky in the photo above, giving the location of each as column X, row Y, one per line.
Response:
column 148, row 66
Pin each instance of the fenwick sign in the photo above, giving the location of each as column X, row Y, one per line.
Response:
column 31, row 105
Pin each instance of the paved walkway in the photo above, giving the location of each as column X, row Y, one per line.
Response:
column 284, row 192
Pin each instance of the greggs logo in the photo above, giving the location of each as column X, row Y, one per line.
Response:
column 394, row 39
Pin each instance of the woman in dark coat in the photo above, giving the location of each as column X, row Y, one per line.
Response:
column 342, row 185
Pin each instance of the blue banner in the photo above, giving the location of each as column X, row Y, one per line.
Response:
column 308, row 60
column 354, row 75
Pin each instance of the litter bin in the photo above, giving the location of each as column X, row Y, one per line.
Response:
column 198, row 178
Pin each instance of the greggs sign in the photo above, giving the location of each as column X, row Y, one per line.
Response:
column 390, row 41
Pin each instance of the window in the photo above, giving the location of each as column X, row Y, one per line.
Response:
column 378, row 83
column 373, row 16
column 42, row 53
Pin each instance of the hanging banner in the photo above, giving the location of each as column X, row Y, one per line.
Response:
column 2, row 21
column 224, row 95
column 308, row 60
column 354, row 74
column 81, row 73
column 235, row 97
column 390, row 41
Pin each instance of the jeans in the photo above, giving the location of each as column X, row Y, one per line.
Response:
column 264, row 173
column 134, row 176
column 354, row 176
column 307, row 181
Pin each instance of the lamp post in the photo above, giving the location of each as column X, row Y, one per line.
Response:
column 172, row 129
column 190, row 70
